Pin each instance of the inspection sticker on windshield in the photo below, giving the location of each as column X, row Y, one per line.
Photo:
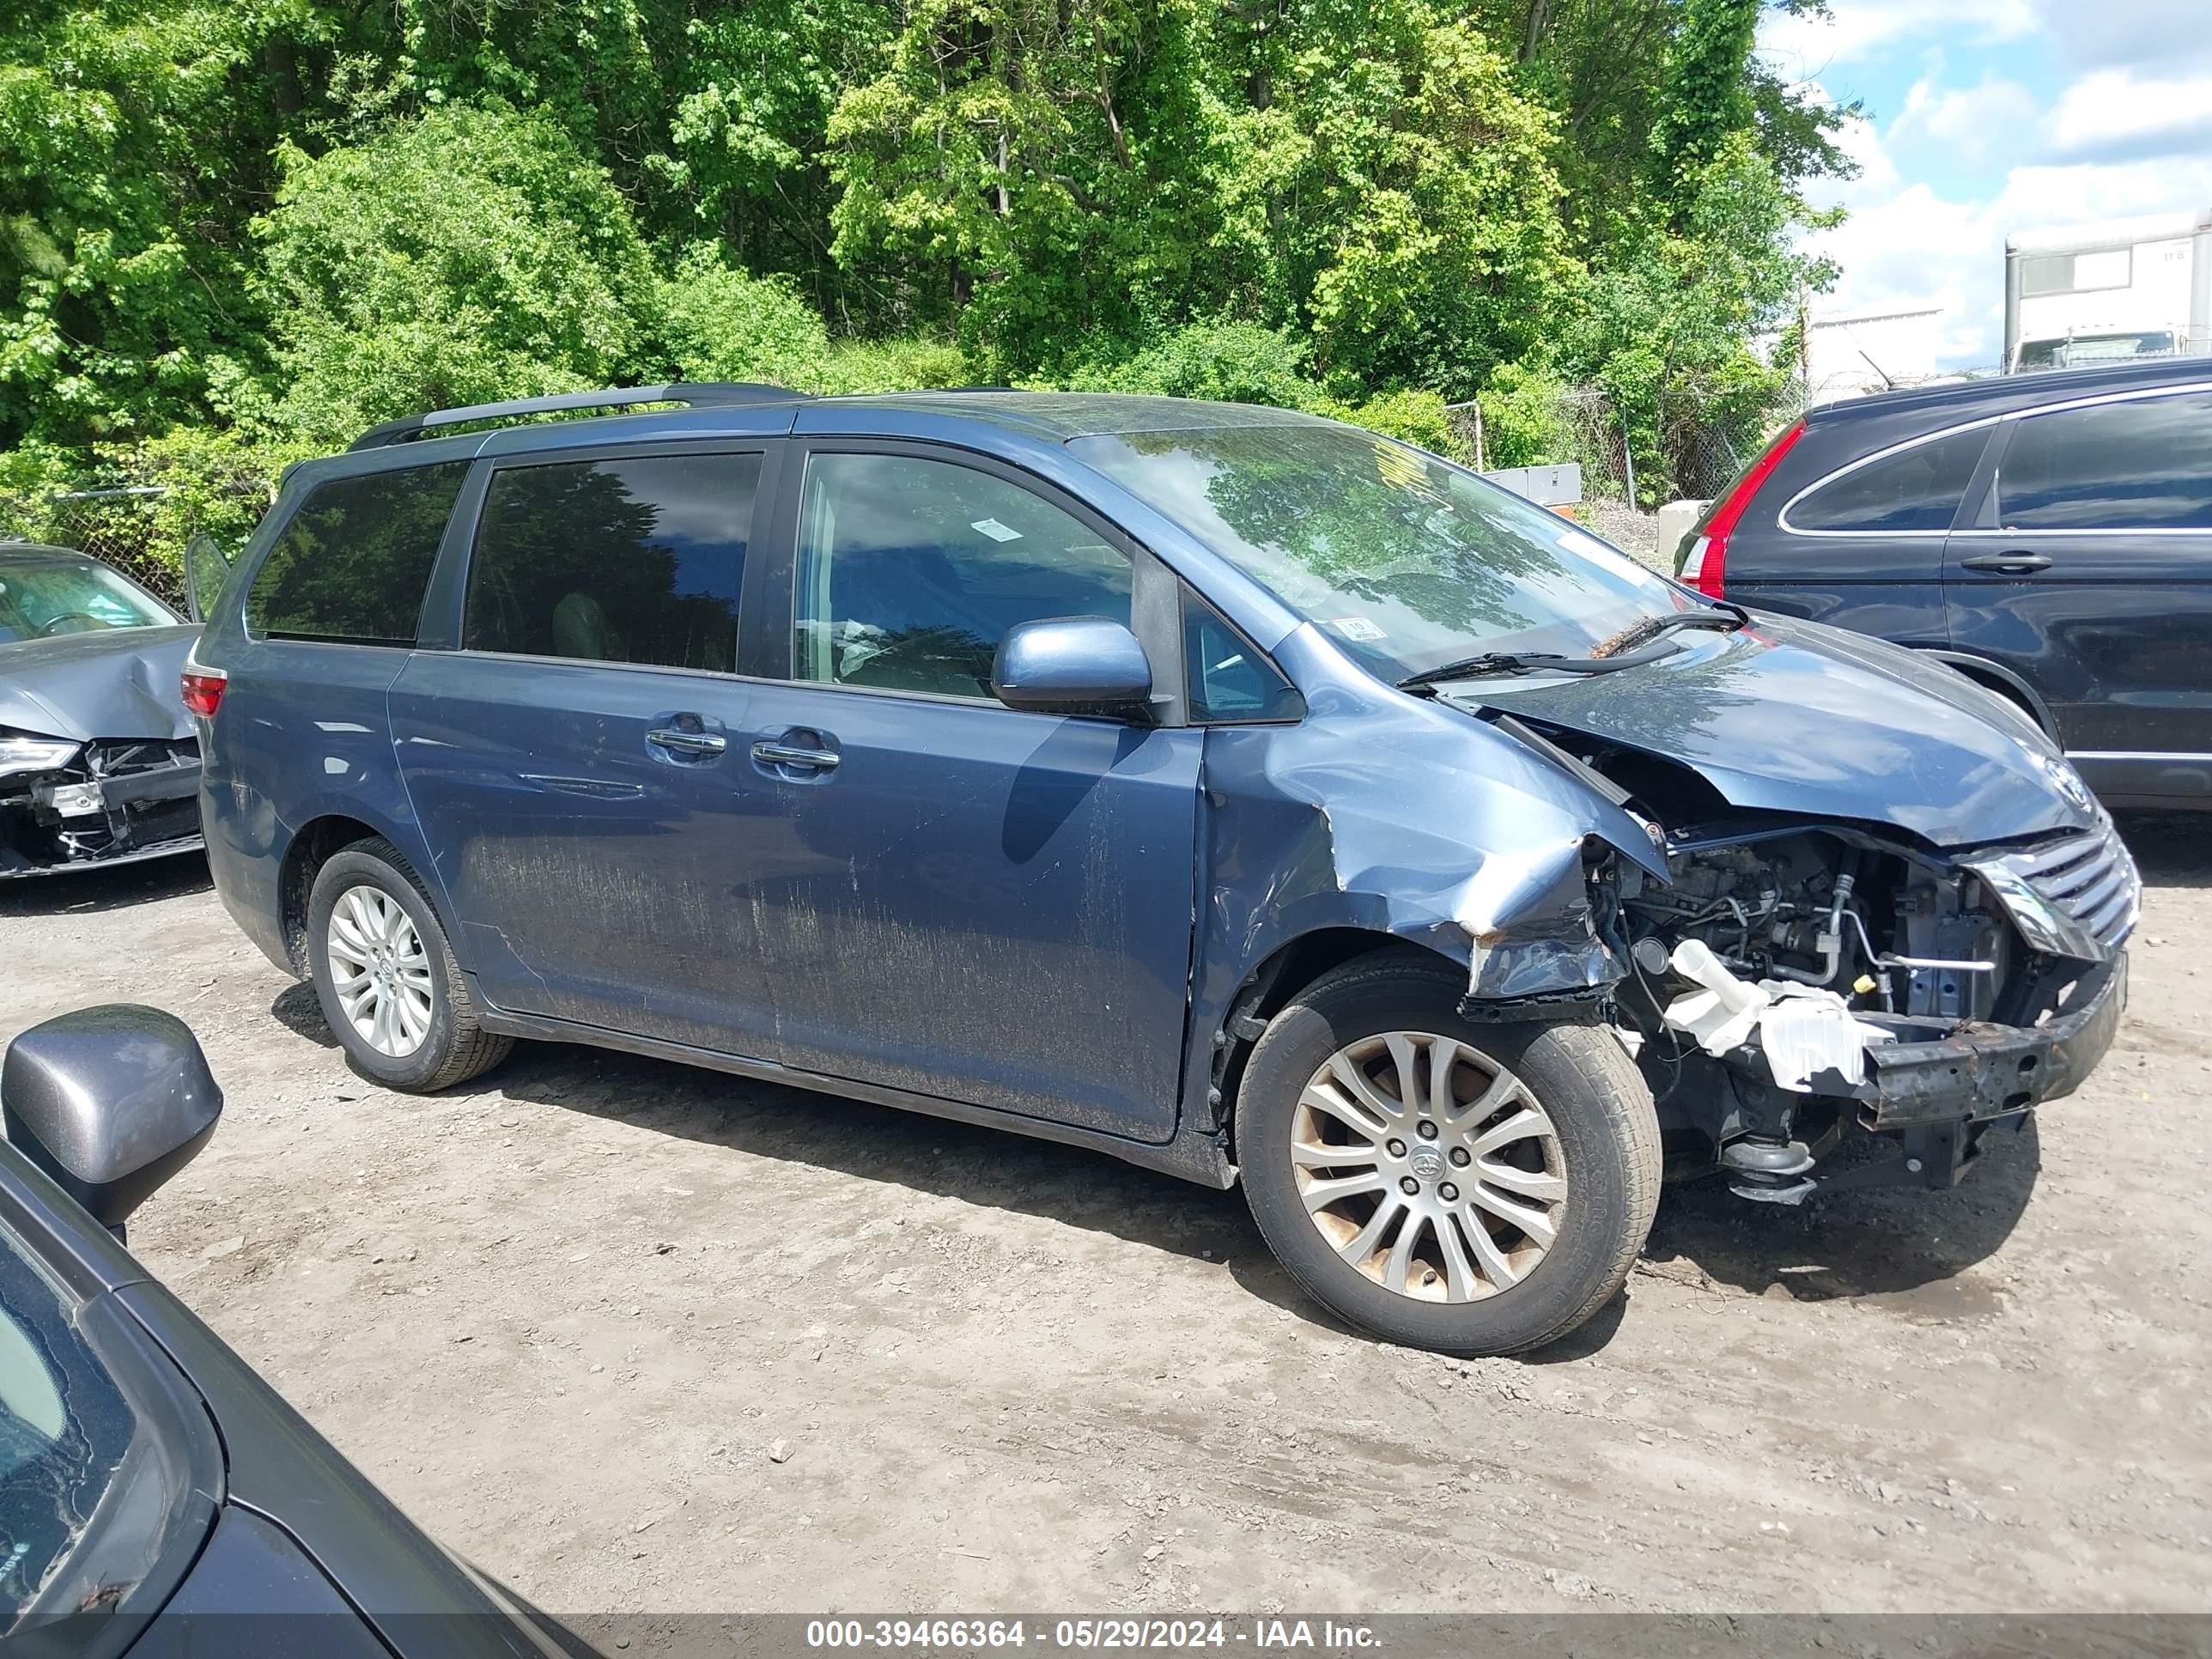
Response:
column 1357, row 628
column 995, row 531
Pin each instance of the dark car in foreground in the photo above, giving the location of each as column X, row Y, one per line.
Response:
column 2048, row 536
column 1243, row 794
column 156, row 1496
column 99, row 761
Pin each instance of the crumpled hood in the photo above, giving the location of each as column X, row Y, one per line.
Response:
column 1792, row 716
column 107, row 682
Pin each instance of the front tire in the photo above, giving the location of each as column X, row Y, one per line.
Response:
column 1473, row 1188
column 390, row 988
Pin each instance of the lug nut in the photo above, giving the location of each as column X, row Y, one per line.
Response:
column 1460, row 1159
column 1425, row 1130
column 1448, row 1192
column 1395, row 1148
column 1409, row 1186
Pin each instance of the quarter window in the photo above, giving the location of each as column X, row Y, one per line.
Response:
column 1917, row 489
column 2145, row 464
column 352, row 564
column 911, row 571
column 634, row 560
column 1230, row 682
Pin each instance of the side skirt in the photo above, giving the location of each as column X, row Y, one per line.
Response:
column 1191, row 1156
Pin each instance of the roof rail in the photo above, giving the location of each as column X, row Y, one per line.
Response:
column 701, row 394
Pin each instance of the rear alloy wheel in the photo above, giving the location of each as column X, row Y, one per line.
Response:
column 379, row 971
column 391, row 990
column 1472, row 1188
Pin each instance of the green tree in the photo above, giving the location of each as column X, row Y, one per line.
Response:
column 467, row 256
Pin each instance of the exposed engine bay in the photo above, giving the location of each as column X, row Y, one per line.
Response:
column 1788, row 984
column 112, row 800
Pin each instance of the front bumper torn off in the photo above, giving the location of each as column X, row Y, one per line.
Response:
column 80, row 820
column 1978, row 1072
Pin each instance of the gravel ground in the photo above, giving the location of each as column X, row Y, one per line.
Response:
column 642, row 1338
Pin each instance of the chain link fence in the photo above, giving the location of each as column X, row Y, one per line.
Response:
column 141, row 527
column 1690, row 447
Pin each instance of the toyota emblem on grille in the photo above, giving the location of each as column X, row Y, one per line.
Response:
column 2070, row 783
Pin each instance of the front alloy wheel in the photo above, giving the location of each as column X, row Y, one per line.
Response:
column 1470, row 1186
column 1428, row 1166
column 379, row 970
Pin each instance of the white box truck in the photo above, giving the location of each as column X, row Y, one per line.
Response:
column 2096, row 293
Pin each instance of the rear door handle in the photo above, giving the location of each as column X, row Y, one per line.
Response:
column 2006, row 564
column 786, row 754
column 687, row 743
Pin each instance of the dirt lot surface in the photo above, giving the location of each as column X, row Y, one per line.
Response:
column 638, row 1338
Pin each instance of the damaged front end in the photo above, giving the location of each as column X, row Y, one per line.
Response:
column 69, row 805
column 1787, row 985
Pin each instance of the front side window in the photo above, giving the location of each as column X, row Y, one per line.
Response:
column 634, row 560
column 352, row 564
column 2145, row 464
column 43, row 597
column 911, row 571
column 1406, row 562
column 1917, row 488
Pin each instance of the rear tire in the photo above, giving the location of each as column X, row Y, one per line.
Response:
column 1542, row 1135
column 404, row 1014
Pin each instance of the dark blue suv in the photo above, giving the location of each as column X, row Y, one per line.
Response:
column 1237, row 793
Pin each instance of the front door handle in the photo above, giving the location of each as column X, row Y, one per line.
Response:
column 687, row 743
column 786, row 753
column 2006, row 564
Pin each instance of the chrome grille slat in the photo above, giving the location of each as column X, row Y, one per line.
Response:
column 2090, row 876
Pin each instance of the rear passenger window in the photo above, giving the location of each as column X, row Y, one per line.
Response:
column 1230, row 682
column 351, row 564
column 1917, row 489
column 2145, row 464
column 636, row 559
column 911, row 571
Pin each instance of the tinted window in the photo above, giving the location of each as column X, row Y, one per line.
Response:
column 911, row 571
column 636, row 559
column 1229, row 680
column 2146, row 464
column 1917, row 488
column 352, row 563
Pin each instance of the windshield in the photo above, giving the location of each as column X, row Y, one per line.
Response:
column 1406, row 562
column 94, row 1471
column 2084, row 348
column 40, row 597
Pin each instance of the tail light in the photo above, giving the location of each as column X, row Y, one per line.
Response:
column 1706, row 567
column 203, row 688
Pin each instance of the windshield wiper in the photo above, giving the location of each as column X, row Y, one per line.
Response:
column 1722, row 616
column 1531, row 662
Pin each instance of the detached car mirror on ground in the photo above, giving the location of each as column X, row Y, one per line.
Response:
column 159, row 1496
column 1428, row 868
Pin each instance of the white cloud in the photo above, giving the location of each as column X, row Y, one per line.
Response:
column 2099, row 33
column 1806, row 46
column 2117, row 113
column 1975, row 127
column 1905, row 245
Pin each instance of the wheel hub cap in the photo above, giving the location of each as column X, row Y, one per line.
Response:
column 1428, row 1166
column 379, row 970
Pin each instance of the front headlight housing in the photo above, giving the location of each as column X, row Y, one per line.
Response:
column 26, row 751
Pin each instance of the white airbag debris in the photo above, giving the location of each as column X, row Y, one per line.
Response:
column 1803, row 1031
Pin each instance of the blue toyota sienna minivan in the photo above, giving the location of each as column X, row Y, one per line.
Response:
column 1239, row 793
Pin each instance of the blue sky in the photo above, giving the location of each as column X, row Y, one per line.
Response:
column 1986, row 117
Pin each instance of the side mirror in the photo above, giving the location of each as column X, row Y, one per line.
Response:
column 207, row 566
column 111, row 1102
column 1071, row 665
